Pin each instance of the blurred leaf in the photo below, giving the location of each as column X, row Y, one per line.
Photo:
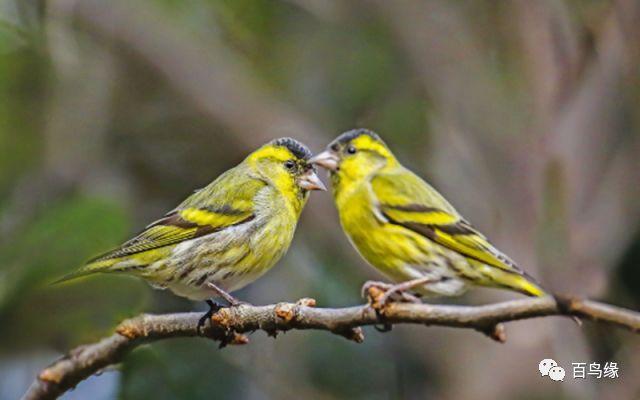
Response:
column 58, row 241
column 11, row 37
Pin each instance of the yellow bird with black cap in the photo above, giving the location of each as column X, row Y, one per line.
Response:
column 225, row 235
column 407, row 230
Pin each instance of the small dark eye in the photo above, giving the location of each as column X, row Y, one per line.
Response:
column 289, row 164
column 351, row 150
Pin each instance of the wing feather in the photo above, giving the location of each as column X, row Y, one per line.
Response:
column 408, row 201
column 226, row 202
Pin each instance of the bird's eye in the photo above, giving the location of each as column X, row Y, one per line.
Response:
column 289, row 164
column 351, row 150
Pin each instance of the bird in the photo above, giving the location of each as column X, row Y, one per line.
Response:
column 225, row 235
column 407, row 230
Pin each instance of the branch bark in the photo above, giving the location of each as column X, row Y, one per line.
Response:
column 229, row 325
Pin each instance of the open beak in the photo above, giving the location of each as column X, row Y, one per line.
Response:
column 326, row 159
column 310, row 181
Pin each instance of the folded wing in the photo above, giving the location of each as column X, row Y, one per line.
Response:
column 408, row 201
column 216, row 207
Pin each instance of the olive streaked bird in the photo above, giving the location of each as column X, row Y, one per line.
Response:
column 227, row 234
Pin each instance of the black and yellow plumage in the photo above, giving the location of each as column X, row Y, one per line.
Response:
column 228, row 233
column 405, row 228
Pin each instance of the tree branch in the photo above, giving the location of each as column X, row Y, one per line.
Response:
column 229, row 324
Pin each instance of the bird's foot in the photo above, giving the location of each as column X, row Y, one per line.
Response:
column 374, row 287
column 373, row 291
column 232, row 301
column 400, row 293
column 213, row 308
column 226, row 335
column 380, row 294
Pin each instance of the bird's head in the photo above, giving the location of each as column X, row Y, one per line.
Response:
column 354, row 155
column 283, row 163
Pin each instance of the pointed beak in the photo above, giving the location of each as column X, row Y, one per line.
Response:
column 310, row 181
column 326, row 159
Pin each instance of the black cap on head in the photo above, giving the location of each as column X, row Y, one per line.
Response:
column 354, row 133
column 298, row 149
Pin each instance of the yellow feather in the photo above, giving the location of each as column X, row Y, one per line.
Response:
column 426, row 218
column 270, row 152
column 214, row 219
column 406, row 229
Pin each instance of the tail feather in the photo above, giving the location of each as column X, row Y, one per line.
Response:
column 91, row 268
column 526, row 285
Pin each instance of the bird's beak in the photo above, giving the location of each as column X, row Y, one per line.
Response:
column 326, row 159
column 310, row 181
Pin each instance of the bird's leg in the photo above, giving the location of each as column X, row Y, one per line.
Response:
column 401, row 289
column 226, row 296
column 410, row 298
column 213, row 308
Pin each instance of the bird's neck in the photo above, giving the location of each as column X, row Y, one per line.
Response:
column 343, row 187
column 292, row 199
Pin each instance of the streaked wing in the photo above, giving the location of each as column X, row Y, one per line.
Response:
column 211, row 209
column 408, row 201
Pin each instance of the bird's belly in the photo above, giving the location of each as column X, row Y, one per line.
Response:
column 230, row 261
column 199, row 292
column 402, row 255
column 385, row 246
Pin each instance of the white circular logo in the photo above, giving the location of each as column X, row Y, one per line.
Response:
column 545, row 365
column 556, row 374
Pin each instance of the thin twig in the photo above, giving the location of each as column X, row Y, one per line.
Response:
column 229, row 324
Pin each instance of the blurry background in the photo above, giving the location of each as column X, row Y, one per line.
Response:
column 523, row 113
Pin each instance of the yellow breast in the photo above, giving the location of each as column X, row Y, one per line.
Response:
column 388, row 247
